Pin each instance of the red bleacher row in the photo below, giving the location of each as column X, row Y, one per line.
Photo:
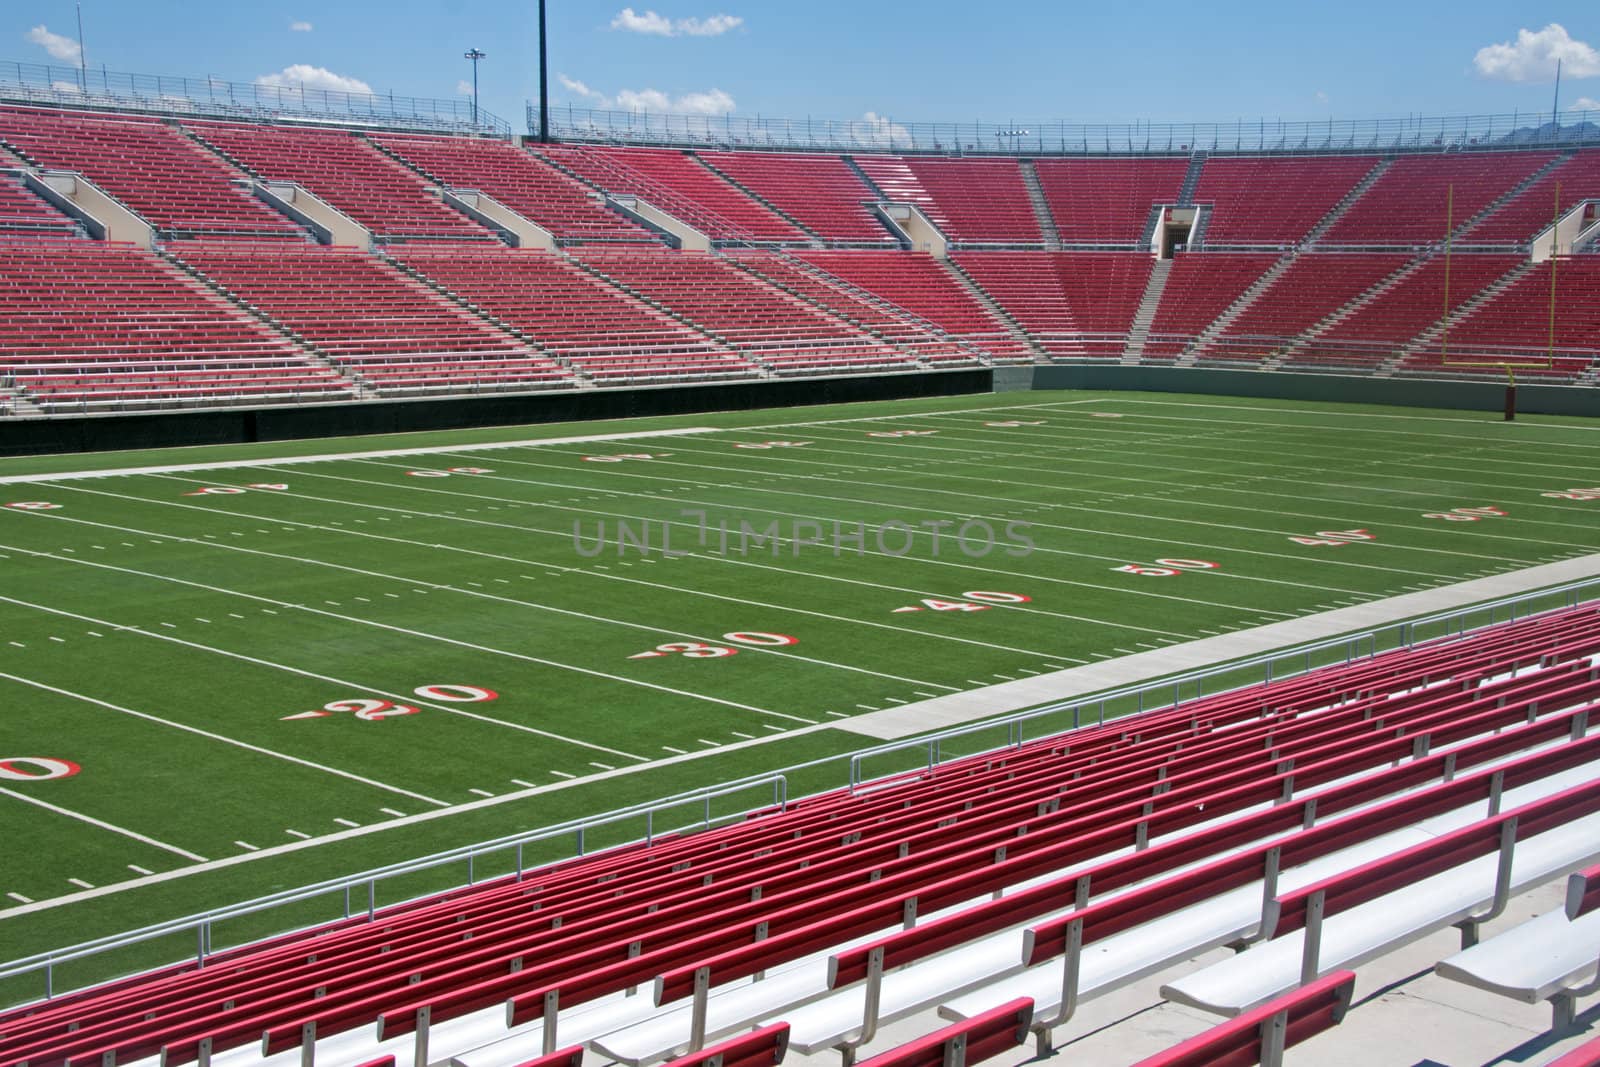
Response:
column 1311, row 783
column 1001, row 297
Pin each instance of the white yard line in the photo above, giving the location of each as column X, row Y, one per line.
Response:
column 459, row 549
column 422, row 634
column 283, row 461
column 103, row 825
column 221, row 738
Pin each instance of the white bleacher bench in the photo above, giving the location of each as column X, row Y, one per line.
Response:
column 1262, row 1035
column 1462, row 879
column 967, row 1042
column 1554, row 957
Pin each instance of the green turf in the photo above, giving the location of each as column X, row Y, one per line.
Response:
column 159, row 639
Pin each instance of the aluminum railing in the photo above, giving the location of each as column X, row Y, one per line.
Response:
column 36, row 83
column 874, row 133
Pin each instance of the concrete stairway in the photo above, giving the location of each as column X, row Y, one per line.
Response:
column 1191, row 178
column 816, row 238
column 1234, row 310
column 1041, row 206
column 1336, row 212
column 1460, row 232
column 1013, row 327
column 1133, row 351
column 1338, row 315
column 1437, row 330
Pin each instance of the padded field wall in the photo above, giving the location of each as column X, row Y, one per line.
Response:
column 1404, row 392
column 106, row 433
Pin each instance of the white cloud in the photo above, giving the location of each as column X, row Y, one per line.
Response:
column 1584, row 103
column 1532, row 57
column 463, row 88
column 715, row 26
column 299, row 26
column 653, row 24
column 59, row 47
column 67, row 87
column 1322, row 96
column 577, row 86
column 304, row 74
column 874, row 129
column 704, row 102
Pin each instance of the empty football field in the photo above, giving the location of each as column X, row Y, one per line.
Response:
column 233, row 670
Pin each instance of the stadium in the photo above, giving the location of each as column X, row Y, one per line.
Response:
column 703, row 587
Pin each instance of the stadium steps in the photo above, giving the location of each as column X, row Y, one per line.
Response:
column 868, row 296
column 877, row 190
column 1460, row 232
column 1013, row 327
column 207, row 146
column 1139, row 332
column 1361, row 300
column 14, row 402
column 1205, row 338
column 753, row 270
column 358, row 384
column 672, row 313
column 1201, row 225
column 1337, row 211
column 461, row 301
column 1191, row 179
column 1041, row 206
column 816, row 238
column 1489, row 292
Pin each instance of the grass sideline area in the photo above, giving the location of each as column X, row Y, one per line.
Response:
column 224, row 682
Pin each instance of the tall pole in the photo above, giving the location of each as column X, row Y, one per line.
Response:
column 83, row 60
column 1555, row 108
column 544, row 84
column 475, row 54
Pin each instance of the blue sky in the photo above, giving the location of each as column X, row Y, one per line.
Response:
column 936, row 60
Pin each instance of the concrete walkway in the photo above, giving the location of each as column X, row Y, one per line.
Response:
column 959, row 708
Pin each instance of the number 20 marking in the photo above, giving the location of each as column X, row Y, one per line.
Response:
column 372, row 709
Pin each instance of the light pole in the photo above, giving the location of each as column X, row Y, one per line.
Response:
column 474, row 54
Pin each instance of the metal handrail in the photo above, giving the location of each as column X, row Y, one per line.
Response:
column 201, row 924
column 1060, row 137
column 38, row 83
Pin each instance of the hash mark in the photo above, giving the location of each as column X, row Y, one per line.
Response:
column 247, row 846
column 346, row 822
column 80, row 883
column 563, row 774
column 134, row 867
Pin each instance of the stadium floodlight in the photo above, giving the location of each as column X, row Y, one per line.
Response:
column 474, row 54
column 1015, row 135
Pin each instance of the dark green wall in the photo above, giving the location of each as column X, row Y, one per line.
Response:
column 103, row 433
column 1349, row 389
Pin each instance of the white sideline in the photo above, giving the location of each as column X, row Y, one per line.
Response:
column 391, row 453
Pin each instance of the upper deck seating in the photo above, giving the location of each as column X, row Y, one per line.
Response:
column 23, row 212
column 1535, row 208
column 973, row 200
column 1107, row 201
column 1274, row 200
column 342, row 168
column 819, row 191
column 1418, row 196
column 173, row 183
column 676, row 183
column 522, row 182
